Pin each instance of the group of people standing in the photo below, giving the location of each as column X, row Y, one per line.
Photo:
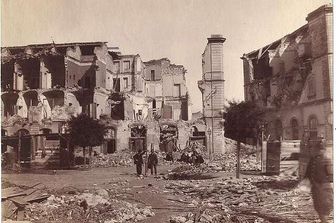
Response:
column 152, row 161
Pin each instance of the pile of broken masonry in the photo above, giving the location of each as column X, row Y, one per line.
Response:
column 258, row 199
column 120, row 158
column 97, row 205
column 222, row 162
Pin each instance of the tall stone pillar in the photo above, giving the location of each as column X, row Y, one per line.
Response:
column 212, row 88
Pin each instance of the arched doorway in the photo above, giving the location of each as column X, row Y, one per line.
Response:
column 295, row 129
column 138, row 137
column 312, row 126
column 109, row 145
column 168, row 137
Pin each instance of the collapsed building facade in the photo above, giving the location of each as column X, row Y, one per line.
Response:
column 44, row 85
column 293, row 79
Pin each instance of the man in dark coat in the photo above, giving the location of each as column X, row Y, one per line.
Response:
column 138, row 161
column 152, row 162
column 320, row 174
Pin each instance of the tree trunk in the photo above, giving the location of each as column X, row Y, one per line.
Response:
column 238, row 161
column 84, row 155
column 90, row 156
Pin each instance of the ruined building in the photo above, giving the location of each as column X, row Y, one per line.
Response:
column 166, row 89
column 292, row 78
column 43, row 85
column 212, row 88
column 167, row 95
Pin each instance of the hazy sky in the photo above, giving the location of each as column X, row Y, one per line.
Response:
column 176, row 29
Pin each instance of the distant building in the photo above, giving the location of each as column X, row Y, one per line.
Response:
column 293, row 78
column 212, row 88
column 166, row 89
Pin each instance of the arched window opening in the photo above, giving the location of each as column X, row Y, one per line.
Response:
column 312, row 126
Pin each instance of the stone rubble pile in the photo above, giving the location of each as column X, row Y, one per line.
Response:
column 15, row 119
column 122, row 158
column 227, row 162
column 259, row 199
column 222, row 162
column 95, row 206
column 250, row 163
column 208, row 215
column 189, row 172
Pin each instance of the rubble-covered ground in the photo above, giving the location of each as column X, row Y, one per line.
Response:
column 181, row 193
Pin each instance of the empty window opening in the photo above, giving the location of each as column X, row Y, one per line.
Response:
column 152, row 75
column 116, row 66
column 312, row 125
column 116, row 84
column 125, row 83
column 177, row 90
column 127, row 65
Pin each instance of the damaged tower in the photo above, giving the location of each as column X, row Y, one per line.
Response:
column 212, row 88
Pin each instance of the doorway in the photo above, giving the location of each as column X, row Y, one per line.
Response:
column 138, row 138
column 168, row 137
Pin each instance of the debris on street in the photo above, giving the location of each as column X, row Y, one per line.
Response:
column 121, row 158
column 89, row 207
column 98, row 205
column 259, row 199
column 15, row 199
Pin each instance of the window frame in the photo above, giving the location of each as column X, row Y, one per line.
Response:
column 128, row 62
column 116, row 66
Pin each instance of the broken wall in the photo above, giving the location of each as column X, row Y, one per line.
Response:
column 71, row 101
column 154, row 89
column 80, row 70
column 153, row 135
column 171, row 79
column 7, row 72
column 52, row 71
column 157, row 67
column 100, row 98
column 109, row 72
column 101, row 65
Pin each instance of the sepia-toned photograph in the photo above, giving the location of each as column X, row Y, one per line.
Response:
column 167, row 111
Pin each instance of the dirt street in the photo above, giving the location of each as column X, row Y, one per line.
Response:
column 220, row 198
